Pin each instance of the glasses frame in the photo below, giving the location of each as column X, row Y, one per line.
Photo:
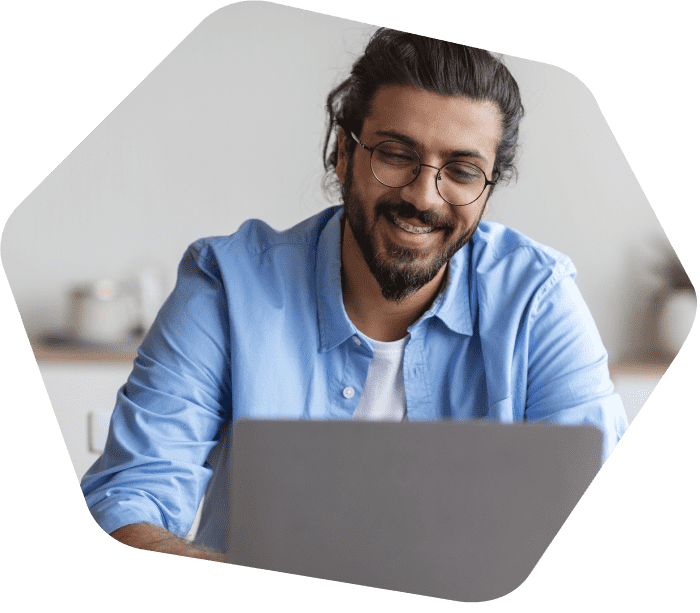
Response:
column 438, row 176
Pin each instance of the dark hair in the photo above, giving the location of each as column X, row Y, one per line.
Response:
column 398, row 58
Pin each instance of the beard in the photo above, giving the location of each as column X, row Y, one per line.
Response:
column 401, row 271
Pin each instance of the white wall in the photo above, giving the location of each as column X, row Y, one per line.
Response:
column 184, row 156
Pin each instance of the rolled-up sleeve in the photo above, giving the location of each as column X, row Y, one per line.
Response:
column 568, row 377
column 170, row 412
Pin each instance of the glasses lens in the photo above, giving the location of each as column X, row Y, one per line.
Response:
column 394, row 164
column 461, row 183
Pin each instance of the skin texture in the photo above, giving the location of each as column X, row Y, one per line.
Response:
column 155, row 538
column 390, row 275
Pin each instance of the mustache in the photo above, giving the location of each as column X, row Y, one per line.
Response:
column 408, row 211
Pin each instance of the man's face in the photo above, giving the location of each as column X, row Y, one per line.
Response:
column 407, row 235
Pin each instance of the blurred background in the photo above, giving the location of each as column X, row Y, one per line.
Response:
column 92, row 253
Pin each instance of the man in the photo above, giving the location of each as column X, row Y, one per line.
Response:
column 397, row 305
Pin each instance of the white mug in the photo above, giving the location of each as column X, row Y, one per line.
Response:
column 103, row 312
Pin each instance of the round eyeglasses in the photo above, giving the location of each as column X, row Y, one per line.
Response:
column 395, row 164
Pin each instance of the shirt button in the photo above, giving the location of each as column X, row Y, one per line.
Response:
column 348, row 392
column 357, row 340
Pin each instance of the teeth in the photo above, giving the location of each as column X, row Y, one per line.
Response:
column 410, row 228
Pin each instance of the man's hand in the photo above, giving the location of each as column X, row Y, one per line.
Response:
column 155, row 538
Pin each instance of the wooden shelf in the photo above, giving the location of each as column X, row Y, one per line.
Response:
column 51, row 349
column 654, row 369
column 54, row 350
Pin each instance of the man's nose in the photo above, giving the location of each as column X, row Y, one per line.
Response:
column 422, row 192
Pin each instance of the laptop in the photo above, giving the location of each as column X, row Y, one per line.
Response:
column 454, row 510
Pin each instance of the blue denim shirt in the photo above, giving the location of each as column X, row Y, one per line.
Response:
column 256, row 327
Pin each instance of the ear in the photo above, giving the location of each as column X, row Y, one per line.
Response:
column 341, row 166
column 486, row 204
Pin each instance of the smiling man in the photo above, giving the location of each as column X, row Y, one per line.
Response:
column 401, row 223
column 398, row 305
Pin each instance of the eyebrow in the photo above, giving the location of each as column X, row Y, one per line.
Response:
column 470, row 153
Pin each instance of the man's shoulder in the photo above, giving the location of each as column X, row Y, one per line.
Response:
column 255, row 237
column 495, row 243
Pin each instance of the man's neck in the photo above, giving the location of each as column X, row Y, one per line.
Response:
column 374, row 315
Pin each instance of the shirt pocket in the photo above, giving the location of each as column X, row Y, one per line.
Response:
column 501, row 411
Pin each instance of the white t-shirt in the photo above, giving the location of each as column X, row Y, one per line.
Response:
column 384, row 395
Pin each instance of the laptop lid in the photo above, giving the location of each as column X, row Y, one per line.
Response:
column 456, row 510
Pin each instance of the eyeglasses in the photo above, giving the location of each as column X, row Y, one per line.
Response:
column 395, row 164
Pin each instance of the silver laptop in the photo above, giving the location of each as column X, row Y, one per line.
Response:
column 455, row 510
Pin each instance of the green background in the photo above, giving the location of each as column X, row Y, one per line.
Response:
column 629, row 542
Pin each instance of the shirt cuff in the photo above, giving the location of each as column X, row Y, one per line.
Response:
column 113, row 514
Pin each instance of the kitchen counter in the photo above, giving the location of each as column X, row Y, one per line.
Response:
column 58, row 349
column 635, row 382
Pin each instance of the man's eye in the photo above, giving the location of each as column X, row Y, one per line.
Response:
column 395, row 156
column 462, row 173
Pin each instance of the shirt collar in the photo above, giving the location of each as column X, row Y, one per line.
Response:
column 452, row 305
column 334, row 325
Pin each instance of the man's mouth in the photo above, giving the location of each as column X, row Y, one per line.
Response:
column 410, row 228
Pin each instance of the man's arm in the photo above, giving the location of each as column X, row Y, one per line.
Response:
column 155, row 538
column 170, row 413
column 568, row 377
